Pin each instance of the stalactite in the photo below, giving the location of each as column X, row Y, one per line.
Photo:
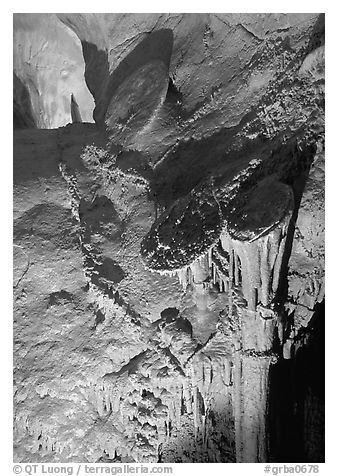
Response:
column 253, row 266
column 187, row 396
column 247, row 272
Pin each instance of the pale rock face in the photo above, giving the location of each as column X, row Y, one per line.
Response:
column 169, row 259
column 49, row 67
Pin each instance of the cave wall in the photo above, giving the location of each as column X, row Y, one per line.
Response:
column 169, row 258
column 48, row 67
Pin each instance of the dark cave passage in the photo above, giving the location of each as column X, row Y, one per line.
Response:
column 297, row 399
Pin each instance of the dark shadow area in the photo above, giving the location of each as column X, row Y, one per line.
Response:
column 23, row 116
column 172, row 108
column 96, row 62
column 99, row 318
column 157, row 46
column 188, row 164
column 296, row 176
column 60, row 297
column 100, row 216
column 110, row 270
column 170, row 314
column 134, row 161
column 222, row 154
column 318, row 34
column 297, row 399
column 174, row 96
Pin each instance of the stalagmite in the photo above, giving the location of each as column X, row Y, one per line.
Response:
column 75, row 110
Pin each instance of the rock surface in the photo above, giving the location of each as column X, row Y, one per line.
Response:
column 168, row 258
column 48, row 69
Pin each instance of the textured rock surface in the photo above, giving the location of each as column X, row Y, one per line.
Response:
column 169, row 259
column 48, row 68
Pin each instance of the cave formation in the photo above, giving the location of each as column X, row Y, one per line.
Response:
column 169, row 237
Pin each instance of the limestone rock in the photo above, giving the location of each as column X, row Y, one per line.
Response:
column 168, row 242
